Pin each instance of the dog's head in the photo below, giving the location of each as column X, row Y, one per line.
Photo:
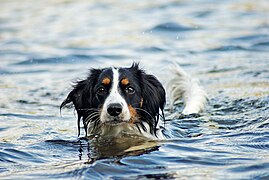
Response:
column 116, row 96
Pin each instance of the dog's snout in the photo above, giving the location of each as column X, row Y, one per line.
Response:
column 114, row 109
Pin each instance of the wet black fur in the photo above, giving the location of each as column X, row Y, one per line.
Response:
column 86, row 100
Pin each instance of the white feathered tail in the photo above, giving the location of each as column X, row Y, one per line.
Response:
column 183, row 86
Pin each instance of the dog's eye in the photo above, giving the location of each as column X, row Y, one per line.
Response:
column 101, row 91
column 130, row 90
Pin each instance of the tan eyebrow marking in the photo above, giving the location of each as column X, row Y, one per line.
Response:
column 106, row 81
column 125, row 81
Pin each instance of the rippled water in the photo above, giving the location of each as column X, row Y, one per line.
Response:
column 45, row 45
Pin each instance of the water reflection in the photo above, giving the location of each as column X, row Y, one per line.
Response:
column 99, row 148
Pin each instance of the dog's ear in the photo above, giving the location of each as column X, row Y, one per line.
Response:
column 82, row 94
column 153, row 95
column 76, row 95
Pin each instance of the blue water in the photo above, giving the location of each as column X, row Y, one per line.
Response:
column 45, row 45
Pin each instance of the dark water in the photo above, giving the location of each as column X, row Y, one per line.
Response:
column 45, row 45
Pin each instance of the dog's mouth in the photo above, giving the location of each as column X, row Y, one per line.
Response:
column 115, row 122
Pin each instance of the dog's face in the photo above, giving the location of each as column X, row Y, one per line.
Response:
column 118, row 96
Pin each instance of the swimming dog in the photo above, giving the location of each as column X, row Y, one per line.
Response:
column 117, row 100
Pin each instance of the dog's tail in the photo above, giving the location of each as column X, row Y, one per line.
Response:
column 183, row 86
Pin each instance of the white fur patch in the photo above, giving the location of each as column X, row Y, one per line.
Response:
column 115, row 97
column 128, row 129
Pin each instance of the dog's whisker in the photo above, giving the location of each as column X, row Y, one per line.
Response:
column 91, row 116
column 88, row 109
column 94, row 124
column 91, row 119
column 145, row 112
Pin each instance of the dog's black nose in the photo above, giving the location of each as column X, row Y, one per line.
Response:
column 114, row 109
